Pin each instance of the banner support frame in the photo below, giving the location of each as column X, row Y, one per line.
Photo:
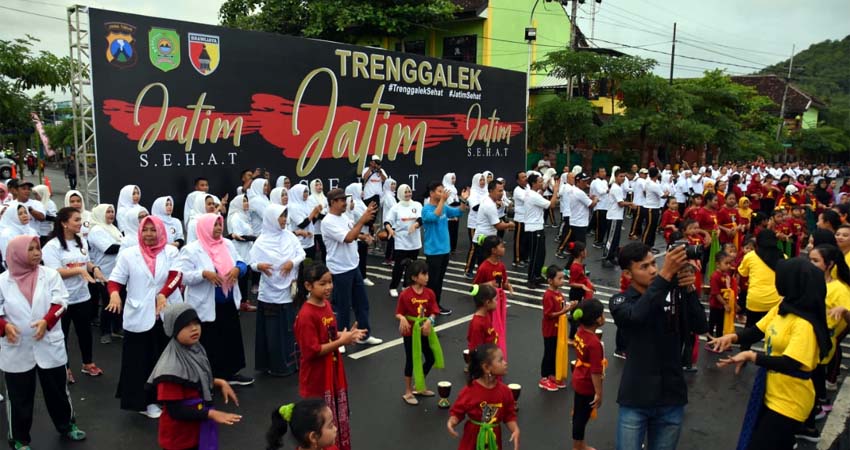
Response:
column 79, row 48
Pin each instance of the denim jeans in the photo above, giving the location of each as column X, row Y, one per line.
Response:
column 350, row 292
column 659, row 426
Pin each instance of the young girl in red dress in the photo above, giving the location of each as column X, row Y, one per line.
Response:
column 671, row 219
column 492, row 271
column 311, row 422
column 485, row 402
column 694, row 207
column 554, row 311
column 481, row 329
column 322, row 374
column 580, row 286
column 416, row 311
column 590, row 369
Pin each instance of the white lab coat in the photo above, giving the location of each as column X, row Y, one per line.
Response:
column 142, row 287
column 26, row 353
column 200, row 293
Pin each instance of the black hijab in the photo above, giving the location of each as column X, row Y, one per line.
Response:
column 821, row 237
column 822, row 194
column 767, row 249
column 803, row 292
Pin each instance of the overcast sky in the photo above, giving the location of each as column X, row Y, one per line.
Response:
column 748, row 33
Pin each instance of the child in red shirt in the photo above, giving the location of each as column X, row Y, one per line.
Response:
column 184, row 383
column 728, row 221
column 693, row 209
column 416, row 311
column 485, row 400
column 311, row 422
column 554, row 308
column 481, row 329
column 670, row 219
column 322, row 374
column 718, row 303
column 492, row 271
column 743, row 282
column 580, row 285
column 589, row 370
column 697, row 236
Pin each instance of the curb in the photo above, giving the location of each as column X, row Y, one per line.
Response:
column 835, row 434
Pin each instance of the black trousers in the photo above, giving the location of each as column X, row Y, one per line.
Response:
column 819, row 380
column 80, row 315
column 538, row 255
column 834, row 365
column 601, row 228
column 565, row 228
column 773, row 431
column 567, row 234
column 752, row 319
column 579, row 234
column 72, row 181
column 388, row 252
column 471, row 258
column 139, row 355
column 454, row 226
column 547, row 366
column 402, row 258
column 322, row 251
column 437, row 266
column 638, row 222
column 408, row 356
column 620, row 341
column 109, row 322
column 715, row 321
column 520, row 252
column 20, row 395
column 363, row 253
column 614, row 249
column 653, row 217
column 222, row 339
column 581, row 414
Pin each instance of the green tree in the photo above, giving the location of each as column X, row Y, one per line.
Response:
column 822, row 142
column 336, row 20
column 560, row 121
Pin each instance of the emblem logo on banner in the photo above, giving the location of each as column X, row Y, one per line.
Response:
column 204, row 52
column 121, row 48
column 164, row 45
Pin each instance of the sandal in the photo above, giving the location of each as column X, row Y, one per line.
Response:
column 425, row 393
column 410, row 399
column 91, row 370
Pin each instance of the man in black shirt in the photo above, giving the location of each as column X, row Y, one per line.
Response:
column 653, row 316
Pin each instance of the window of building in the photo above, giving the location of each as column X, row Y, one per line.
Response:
column 461, row 48
column 415, row 47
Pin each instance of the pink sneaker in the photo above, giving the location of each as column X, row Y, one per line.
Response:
column 558, row 384
column 547, row 385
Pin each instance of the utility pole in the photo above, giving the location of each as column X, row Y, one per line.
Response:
column 673, row 53
column 782, row 107
column 573, row 41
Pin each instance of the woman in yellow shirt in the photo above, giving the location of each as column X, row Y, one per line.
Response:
column 760, row 267
column 842, row 239
column 796, row 338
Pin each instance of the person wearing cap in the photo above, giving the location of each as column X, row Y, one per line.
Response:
column 520, row 240
column 599, row 189
column 373, row 184
column 654, row 198
column 638, row 187
column 21, row 191
column 565, row 192
column 488, row 222
column 535, row 216
column 340, row 235
column 615, row 215
column 580, row 206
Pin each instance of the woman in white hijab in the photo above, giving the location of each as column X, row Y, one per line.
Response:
column 388, row 201
column 356, row 208
column 15, row 222
column 104, row 243
column 449, row 181
column 163, row 207
column 302, row 217
column 127, row 211
column 45, row 227
column 284, row 182
column 131, row 232
column 243, row 237
column 204, row 204
column 74, row 199
column 477, row 192
column 279, row 196
column 317, row 197
column 258, row 200
column 276, row 255
column 403, row 223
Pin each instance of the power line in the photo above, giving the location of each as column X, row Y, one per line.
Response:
column 32, row 13
column 44, row 3
column 683, row 56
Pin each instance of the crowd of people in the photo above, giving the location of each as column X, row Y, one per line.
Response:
column 767, row 246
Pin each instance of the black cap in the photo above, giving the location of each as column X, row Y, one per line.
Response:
column 582, row 177
column 335, row 194
column 15, row 183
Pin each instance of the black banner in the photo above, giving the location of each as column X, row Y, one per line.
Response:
column 177, row 100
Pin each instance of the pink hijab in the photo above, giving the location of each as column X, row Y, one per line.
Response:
column 215, row 248
column 149, row 253
column 24, row 274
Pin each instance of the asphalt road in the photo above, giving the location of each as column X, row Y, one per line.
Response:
column 380, row 419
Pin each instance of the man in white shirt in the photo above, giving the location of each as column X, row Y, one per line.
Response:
column 568, row 179
column 487, row 223
column 580, row 207
column 615, row 214
column 520, row 238
column 535, row 212
column 341, row 236
column 638, row 186
column 599, row 189
column 373, row 181
column 653, row 202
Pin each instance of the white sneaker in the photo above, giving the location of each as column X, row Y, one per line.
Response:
column 371, row 340
column 342, row 349
column 831, row 386
column 153, row 411
column 368, row 282
column 393, row 293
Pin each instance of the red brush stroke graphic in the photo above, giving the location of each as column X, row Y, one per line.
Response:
column 271, row 117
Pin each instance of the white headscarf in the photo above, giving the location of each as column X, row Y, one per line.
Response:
column 85, row 214
column 237, row 219
column 613, row 175
column 71, row 193
column 276, row 245
column 319, row 197
column 12, row 223
column 355, row 190
column 576, row 169
column 476, row 192
column 275, row 194
column 131, row 226
column 401, row 192
column 127, row 208
column 388, row 200
column 279, row 183
column 189, row 206
column 98, row 217
column 170, row 222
